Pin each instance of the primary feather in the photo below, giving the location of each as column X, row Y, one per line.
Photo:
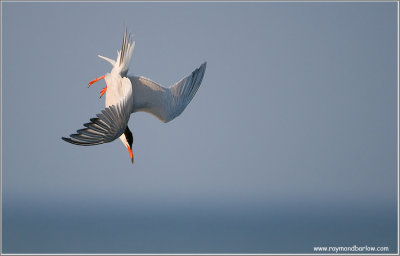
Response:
column 108, row 126
column 165, row 103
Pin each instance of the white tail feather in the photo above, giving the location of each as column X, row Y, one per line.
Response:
column 121, row 65
column 112, row 62
column 125, row 54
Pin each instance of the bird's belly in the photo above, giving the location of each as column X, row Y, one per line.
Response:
column 114, row 94
column 111, row 98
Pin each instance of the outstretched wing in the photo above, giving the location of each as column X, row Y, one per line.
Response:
column 109, row 125
column 165, row 103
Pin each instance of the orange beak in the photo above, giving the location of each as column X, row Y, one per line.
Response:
column 130, row 153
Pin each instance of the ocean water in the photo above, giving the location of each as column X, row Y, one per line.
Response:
column 61, row 227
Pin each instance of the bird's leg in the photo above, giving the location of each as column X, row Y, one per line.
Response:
column 95, row 80
column 103, row 91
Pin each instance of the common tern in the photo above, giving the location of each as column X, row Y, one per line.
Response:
column 126, row 94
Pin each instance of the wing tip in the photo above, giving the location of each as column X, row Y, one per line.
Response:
column 72, row 141
column 204, row 65
column 67, row 140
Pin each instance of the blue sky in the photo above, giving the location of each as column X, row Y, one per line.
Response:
column 293, row 130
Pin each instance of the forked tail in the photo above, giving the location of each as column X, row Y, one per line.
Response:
column 121, row 65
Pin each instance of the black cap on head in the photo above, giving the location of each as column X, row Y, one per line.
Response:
column 129, row 137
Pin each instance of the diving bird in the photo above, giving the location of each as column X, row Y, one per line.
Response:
column 126, row 94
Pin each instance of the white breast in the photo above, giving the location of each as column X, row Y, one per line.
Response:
column 114, row 92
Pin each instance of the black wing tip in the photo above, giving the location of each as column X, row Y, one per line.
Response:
column 201, row 69
column 67, row 140
column 204, row 65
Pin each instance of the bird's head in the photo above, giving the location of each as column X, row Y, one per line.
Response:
column 127, row 139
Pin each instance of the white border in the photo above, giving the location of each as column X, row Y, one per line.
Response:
column 398, row 134
column 196, row 1
column 199, row 1
column 1, row 128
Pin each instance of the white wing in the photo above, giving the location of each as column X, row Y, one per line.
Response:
column 165, row 103
column 109, row 124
